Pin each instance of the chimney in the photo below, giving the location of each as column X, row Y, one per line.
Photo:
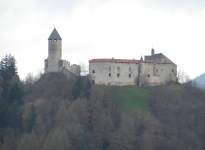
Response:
column 113, row 60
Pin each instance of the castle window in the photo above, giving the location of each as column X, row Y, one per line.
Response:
column 93, row 71
column 129, row 69
column 118, row 69
column 156, row 70
column 109, row 74
column 130, row 75
column 118, row 75
column 93, row 81
column 161, row 70
column 148, row 75
column 172, row 70
column 109, row 68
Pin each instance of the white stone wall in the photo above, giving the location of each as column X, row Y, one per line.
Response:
column 54, row 55
column 72, row 68
column 101, row 75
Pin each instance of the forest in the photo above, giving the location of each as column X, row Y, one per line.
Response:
column 51, row 112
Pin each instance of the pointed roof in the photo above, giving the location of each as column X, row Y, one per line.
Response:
column 141, row 60
column 54, row 35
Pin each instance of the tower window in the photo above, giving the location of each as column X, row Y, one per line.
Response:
column 156, row 70
column 109, row 74
column 130, row 75
column 172, row 70
column 129, row 69
column 118, row 75
column 118, row 69
column 93, row 71
column 109, row 68
column 148, row 75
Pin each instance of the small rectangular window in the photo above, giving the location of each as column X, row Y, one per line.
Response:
column 118, row 75
column 148, row 70
column 161, row 70
column 148, row 75
column 172, row 70
column 109, row 68
column 93, row 71
column 118, row 69
column 129, row 69
column 109, row 74
column 156, row 70
column 130, row 75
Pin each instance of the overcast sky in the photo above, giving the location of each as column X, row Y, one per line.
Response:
column 123, row 29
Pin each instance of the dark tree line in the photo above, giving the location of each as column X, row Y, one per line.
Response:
column 11, row 96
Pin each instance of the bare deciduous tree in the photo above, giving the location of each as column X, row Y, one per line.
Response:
column 83, row 69
column 182, row 77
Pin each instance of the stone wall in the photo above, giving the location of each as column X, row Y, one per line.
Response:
column 54, row 55
column 72, row 68
column 172, row 67
column 100, row 71
column 150, row 74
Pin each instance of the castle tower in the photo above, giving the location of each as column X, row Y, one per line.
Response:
column 54, row 52
column 152, row 51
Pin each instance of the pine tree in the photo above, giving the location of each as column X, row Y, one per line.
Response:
column 15, row 116
column 15, row 95
column 4, row 105
column 87, row 89
column 77, row 87
column 8, row 67
column 31, row 120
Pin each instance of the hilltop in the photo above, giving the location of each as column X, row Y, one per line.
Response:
column 108, row 117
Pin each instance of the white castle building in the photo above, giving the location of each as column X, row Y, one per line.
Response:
column 155, row 69
column 54, row 62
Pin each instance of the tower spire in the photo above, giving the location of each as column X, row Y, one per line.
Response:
column 54, row 35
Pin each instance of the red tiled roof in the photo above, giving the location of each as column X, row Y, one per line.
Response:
column 125, row 61
column 162, row 62
column 100, row 60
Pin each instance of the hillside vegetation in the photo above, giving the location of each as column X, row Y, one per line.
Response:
column 58, row 113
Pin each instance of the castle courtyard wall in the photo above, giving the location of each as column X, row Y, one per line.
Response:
column 101, row 73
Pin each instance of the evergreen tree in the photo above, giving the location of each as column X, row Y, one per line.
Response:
column 8, row 67
column 15, row 116
column 77, row 87
column 87, row 89
column 11, row 97
column 31, row 120
column 15, row 95
column 4, row 105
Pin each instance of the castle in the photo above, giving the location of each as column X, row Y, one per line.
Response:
column 54, row 62
column 155, row 69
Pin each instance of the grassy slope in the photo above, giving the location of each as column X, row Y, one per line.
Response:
column 135, row 98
